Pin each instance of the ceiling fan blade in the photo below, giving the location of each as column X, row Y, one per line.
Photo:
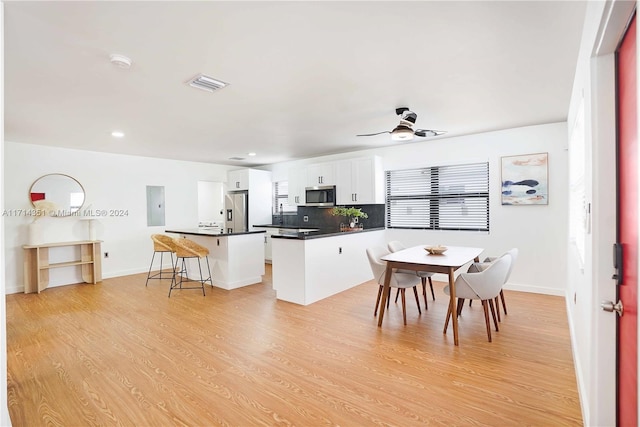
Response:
column 372, row 134
column 428, row 132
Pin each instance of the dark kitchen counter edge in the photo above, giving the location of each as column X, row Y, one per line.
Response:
column 308, row 235
column 293, row 227
column 197, row 232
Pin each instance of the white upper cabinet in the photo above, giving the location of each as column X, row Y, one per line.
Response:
column 357, row 181
column 238, row 180
column 258, row 183
column 360, row 181
column 297, row 179
column 321, row 174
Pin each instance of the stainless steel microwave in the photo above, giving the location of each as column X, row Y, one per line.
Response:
column 320, row 196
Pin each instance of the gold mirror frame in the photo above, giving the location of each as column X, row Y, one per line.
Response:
column 57, row 194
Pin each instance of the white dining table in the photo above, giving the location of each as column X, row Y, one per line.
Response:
column 418, row 259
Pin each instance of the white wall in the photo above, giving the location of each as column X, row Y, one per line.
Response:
column 593, row 331
column 540, row 232
column 4, row 410
column 111, row 182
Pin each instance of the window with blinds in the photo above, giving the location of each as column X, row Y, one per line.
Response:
column 452, row 197
column 281, row 198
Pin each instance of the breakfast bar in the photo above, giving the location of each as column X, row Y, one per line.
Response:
column 236, row 259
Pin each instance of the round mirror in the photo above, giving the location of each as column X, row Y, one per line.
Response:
column 57, row 194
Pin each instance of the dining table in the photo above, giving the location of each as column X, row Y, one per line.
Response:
column 417, row 258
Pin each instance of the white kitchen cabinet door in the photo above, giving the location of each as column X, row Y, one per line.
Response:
column 321, row 174
column 297, row 182
column 238, row 180
column 360, row 181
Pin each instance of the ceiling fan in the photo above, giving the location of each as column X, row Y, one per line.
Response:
column 404, row 131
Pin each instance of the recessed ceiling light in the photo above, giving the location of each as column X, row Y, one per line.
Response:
column 117, row 134
column 120, row 61
column 251, row 154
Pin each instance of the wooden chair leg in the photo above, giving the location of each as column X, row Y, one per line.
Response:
column 397, row 293
column 375, row 312
column 504, row 306
column 486, row 319
column 415, row 292
column 459, row 307
column 446, row 322
column 388, row 298
column 498, row 309
column 493, row 314
column 424, row 292
column 404, row 305
column 433, row 295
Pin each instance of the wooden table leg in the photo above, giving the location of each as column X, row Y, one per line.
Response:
column 452, row 305
column 385, row 292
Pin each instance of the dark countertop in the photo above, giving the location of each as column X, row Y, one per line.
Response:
column 292, row 227
column 200, row 232
column 307, row 235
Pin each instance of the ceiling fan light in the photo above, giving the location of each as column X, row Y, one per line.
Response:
column 402, row 133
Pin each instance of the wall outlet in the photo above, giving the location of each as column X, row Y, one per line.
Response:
column 106, row 254
column 339, row 250
column 305, row 218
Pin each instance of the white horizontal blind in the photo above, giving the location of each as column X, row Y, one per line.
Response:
column 439, row 198
column 281, row 198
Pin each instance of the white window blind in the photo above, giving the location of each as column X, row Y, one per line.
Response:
column 281, row 198
column 452, row 197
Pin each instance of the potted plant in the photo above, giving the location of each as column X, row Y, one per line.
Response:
column 352, row 213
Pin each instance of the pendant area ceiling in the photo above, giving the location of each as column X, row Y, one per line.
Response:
column 304, row 77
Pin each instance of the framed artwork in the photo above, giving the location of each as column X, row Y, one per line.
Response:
column 525, row 179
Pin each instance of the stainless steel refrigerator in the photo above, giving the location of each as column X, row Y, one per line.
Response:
column 236, row 212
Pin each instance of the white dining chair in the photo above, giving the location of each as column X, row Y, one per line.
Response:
column 483, row 285
column 480, row 266
column 395, row 246
column 399, row 280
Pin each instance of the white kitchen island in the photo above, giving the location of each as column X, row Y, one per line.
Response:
column 236, row 259
column 308, row 267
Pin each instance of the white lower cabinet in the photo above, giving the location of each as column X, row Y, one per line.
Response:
column 306, row 271
column 267, row 241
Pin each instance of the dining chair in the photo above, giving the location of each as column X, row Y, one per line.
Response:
column 399, row 280
column 395, row 246
column 161, row 244
column 480, row 266
column 185, row 249
column 482, row 285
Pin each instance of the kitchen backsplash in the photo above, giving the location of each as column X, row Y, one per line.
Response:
column 322, row 218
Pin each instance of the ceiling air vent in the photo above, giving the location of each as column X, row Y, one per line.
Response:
column 236, row 158
column 206, row 83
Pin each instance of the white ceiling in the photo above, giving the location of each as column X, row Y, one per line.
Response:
column 305, row 77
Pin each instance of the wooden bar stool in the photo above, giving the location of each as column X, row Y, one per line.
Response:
column 161, row 244
column 185, row 249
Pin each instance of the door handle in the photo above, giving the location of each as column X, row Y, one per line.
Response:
column 610, row 307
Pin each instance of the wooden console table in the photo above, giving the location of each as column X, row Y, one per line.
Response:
column 36, row 263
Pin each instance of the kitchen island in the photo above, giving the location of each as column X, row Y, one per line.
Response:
column 313, row 265
column 235, row 259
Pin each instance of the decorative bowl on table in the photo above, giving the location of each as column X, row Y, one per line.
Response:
column 435, row 250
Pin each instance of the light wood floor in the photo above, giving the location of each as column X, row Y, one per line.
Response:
column 118, row 353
